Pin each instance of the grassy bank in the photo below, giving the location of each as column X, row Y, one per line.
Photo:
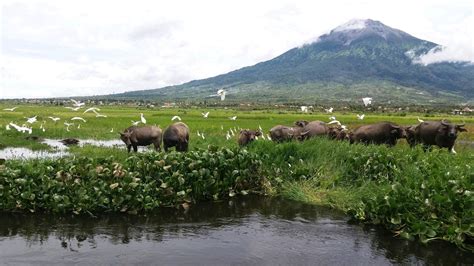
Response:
column 419, row 195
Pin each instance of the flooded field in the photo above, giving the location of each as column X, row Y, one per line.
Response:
column 250, row 230
column 58, row 149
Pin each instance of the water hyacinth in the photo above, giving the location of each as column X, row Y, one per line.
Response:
column 142, row 182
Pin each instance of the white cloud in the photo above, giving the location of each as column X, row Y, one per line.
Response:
column 61, row 48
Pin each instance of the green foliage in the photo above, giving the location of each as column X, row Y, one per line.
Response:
column 142, row 182
column 415, row 194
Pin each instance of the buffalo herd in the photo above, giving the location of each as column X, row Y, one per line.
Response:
column 439, row 133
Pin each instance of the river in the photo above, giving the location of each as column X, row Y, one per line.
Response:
column 248, row 230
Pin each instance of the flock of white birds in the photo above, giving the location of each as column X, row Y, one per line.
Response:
column 77, row 105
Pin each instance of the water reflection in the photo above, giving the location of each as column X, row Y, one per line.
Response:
column 250, row 230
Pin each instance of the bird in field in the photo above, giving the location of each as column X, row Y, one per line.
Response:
column 31, row 120
column 22, row 128
column 367, row 100
column 73, row 108
column 205, row 115
column 304, row 109
column 329, row 110
column 142, row 118
column 55, row 119
column 420, row 120
column 334, row 122
column 97, row 114
column 68, row 125
column 93, row 109
column 361, row 117
column 233, row 118
column 135, row 123
column 176, row 118
column 78, row 118
column 112, row 130
column 332, row 118
column 10, row 109
column 77, row 103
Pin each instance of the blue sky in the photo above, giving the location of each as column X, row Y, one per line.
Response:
column 66, row 48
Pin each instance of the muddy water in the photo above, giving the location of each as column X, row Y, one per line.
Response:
column 250, row 230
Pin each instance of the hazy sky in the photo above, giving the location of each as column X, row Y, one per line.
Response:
column 66, row 48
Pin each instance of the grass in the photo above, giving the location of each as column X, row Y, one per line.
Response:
column 417, row 195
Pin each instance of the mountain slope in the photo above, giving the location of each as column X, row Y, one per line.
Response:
column 359, row 58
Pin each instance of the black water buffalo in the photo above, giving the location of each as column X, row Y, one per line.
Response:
column 281, row 133
column 312, row 129
column 338, row 133
column 379, row 133
column 176, row 135
column 440, row 133
column 246, row 136
column 410, row 135
column 141, row 136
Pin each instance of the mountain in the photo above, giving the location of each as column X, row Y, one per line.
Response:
column 357, row 59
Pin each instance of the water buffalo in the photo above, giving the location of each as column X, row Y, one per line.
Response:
column 338, row 133
column 440, row 133
column 141, row 136
column 379, row 133
column 281, row 133
column 410, row 135
column 312, row 129
column 176, row 135
column 246, row 136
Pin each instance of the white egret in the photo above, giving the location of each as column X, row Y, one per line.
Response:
column 73, row 108
column 221, row 93
column 97, row 114
column 142, row 118
column 304, row 109
column 55, row 119
column 420, row 120
column 93, row 109
column 334, row 122
column 135, row 123
column 77, row 103
column 112, row 130
column 360, row 117
column 329, row 110
column 233, row 118
column 10, row 109
column 367, row 100
column 68, row 125
column 176, row 117
column 31, row 120
column 332, row 118
column 205, row 115
column 79, row 118
column 22, row 128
